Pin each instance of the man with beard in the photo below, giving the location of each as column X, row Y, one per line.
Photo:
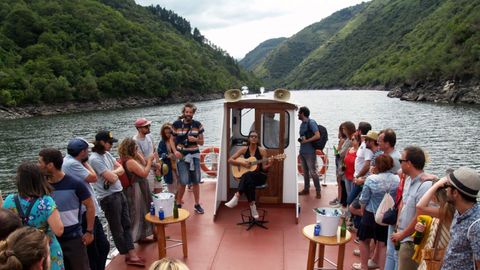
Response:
column 75, row 164
column 188, row 135
column 463, row 251
column 111, row 198
column 308, row 128
column 146, row 147
column 69, row 194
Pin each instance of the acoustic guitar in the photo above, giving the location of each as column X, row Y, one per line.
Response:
column 238, row 170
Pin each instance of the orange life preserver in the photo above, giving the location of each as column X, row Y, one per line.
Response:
column 207, row 151
column 322, row 169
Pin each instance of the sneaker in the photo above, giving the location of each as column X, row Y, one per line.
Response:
column 372, row 264
column 199, row 209
column 233, row 202
column 304, row 192
column 334, row 203
column 357, row 266
column 253, row 210
column 356, row 252
column 319, row 195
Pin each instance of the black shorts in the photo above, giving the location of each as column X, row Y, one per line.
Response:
column 369, row 229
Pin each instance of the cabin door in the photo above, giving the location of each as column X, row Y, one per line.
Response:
column 272, row 125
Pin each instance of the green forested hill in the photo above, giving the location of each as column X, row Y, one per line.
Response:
column 55, row 51
column 283, row 59
column 257, row 55
column 388, row 42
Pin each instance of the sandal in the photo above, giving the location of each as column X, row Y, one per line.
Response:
column 138, row 262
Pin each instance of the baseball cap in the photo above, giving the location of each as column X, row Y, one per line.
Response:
column 466, row 180
column 76, row 145
column 105, row 136
column 141, row 122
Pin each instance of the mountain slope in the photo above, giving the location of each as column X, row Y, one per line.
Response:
column 55, row 51
column 257, row 55
column 425, row 50
column 283, row 59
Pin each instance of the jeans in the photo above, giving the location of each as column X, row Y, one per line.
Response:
column 355, row 191
column 348, row 186
column 309, row 165
column 116, row 212
column 391, row 263
column 98, row 250
column 186, row 176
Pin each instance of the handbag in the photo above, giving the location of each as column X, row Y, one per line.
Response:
column 433, row 257
column 390, row 216
column 386, row 203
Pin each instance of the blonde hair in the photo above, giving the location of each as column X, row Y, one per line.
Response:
column 24, row 248
column 168, row 264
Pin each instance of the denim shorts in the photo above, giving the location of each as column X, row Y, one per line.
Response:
column 186, row 175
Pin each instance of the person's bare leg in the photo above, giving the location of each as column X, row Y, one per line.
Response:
column 181, row 191
column 196, row 193
column 381, row 249
column 364, row 253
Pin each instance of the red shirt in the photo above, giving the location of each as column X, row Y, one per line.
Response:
column 350, row 164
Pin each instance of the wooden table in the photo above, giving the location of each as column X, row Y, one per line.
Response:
column 160, row 224
column 323, row 241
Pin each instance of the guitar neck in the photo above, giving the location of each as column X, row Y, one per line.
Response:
column 259, row 161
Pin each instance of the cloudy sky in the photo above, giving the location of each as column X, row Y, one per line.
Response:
column 238, row 26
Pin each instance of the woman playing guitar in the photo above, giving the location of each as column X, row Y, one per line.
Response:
column 250, row 180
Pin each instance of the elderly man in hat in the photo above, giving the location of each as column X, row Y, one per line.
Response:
column 463, row 250
column 146, row 147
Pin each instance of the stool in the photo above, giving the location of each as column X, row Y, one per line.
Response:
column 247, row 218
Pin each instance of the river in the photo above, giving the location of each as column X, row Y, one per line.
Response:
column 449, row 133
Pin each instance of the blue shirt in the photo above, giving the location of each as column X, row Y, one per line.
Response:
column 461, row 246
column 375, row 187
column 75, row 168
column 309, row 126
column 412, row 193
column 68, row 195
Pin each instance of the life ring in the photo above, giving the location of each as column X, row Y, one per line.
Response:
column 322, row 169
column 208, row 151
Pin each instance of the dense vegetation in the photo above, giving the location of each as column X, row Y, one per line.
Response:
column 384, row 43
column 257, row 55
column 55, row 51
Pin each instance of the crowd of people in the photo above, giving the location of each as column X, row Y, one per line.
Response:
column 52, row 221
column 445, row 211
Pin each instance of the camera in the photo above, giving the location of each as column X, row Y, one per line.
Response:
column 301, row 139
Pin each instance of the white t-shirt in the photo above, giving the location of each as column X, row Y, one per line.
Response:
column 363, row 154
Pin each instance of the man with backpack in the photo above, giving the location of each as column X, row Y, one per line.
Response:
column 309, row 134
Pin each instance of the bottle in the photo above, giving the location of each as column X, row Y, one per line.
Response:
column 335, row 151
column 152, row 209
column 418, row 236
column 317, row 229
column 161, row 214
column 397, row 244
column 343, row 228
column 175, row 209
column 158, row 178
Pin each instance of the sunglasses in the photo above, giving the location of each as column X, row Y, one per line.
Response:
column 402, row 160
column 253, row 136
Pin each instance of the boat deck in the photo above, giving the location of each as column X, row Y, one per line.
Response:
column 221, row 244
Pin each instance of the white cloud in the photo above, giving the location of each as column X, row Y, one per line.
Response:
column 238, row 26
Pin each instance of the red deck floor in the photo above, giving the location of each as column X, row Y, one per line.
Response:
column 223, row 245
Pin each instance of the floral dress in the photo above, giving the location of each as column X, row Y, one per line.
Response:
column 41, row 211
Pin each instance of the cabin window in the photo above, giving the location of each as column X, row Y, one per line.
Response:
column 247, row 120
column 271, row 129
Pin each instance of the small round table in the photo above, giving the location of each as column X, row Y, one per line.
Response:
column 160, row 224
column 323, row 241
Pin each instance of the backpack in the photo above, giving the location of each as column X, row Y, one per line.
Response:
column 386, row 204
column 320, row 143
column 127, row 178
column 24, row 216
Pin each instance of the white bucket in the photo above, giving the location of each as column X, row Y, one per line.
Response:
column 164, row 200
column 328, row 219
